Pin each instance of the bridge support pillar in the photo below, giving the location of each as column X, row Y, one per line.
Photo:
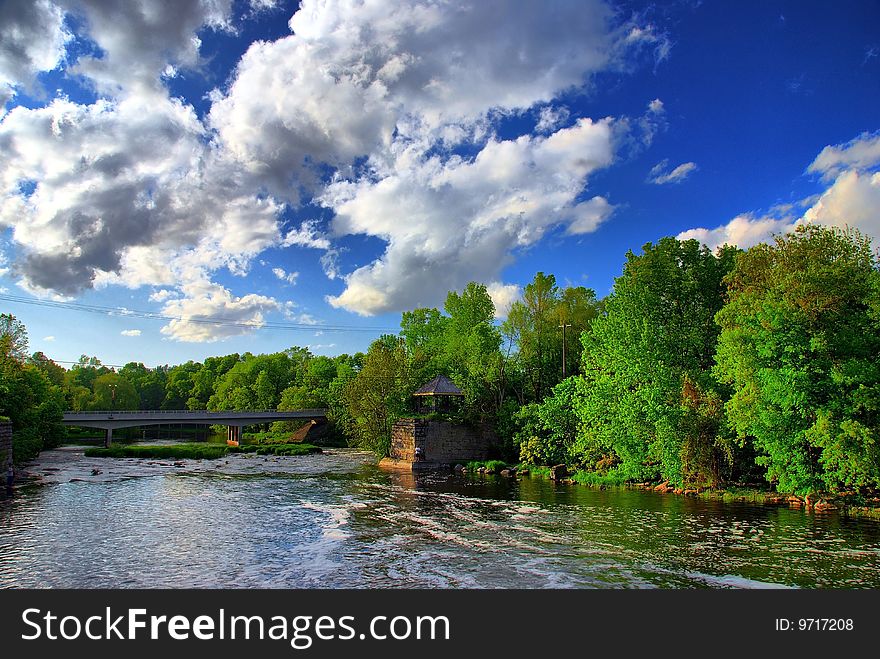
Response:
column 233, row 435
column 108, row 437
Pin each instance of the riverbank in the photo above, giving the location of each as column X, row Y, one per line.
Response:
column 847, row 504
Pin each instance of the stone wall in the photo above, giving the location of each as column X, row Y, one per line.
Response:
column 405, row 433
column 5, row 450
column 441, row 441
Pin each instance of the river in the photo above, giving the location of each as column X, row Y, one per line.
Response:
column 337, row 521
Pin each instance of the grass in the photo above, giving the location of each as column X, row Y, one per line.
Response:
column 170, row 451
column 197, row 451
column 269, row 437
column 598, row 480
column 276, row 449
column 491, row 466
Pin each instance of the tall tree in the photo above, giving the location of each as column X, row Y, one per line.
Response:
column 657, row 331
column 13, row 338
column 545, row 321
column 472, row 346
column 378, row 395
column 799, row 345
column 27, row 396
column 113, row 392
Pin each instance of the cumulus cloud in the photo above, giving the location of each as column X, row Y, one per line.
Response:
column 161, row 295
column 33, row 38
column 503, row 295
column 209, row 312
column 307, row 235
column 118, row 188
column 49, row 339
column 743, row 231
column 141, row 39
column 661, row 174
column 852, row 200
column 131, row 332
column 449, row 222
column 860, row 153
column 360, row 109
column 409, row 69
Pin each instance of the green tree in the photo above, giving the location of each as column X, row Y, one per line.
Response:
column 378, row 395
column 27, row 396
column 800, row 336
column 657, row 330
column 148, row 383
column 13, row 338
column 49, row 368
column 472, row 347
column 538, row 325
column 114, row 392
column 547, row 430
column 533, row 323
column 256, row 382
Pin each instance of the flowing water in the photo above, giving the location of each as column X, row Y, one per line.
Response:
column 335, row 520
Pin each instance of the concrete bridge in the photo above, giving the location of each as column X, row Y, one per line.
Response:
column 234, row 421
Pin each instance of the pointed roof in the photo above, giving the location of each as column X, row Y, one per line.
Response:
column 439, row 386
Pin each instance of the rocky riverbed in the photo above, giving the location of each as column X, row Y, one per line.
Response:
column 68, row 464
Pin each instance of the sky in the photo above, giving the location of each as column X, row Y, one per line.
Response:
column 201, row 177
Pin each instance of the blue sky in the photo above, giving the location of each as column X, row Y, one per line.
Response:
column 304, row 174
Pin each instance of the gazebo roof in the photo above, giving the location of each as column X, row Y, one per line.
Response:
column 439, row 386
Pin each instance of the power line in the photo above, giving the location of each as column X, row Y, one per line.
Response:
column 218, row 320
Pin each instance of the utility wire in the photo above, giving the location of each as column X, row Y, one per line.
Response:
column 220, row 321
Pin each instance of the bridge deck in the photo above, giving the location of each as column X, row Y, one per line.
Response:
column 123, row 419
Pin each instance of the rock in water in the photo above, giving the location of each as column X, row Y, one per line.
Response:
column 558, row 472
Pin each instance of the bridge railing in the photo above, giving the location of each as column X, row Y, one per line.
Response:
column 317, row 411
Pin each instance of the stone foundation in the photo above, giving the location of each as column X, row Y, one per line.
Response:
column 443, row 443
column 6, row 453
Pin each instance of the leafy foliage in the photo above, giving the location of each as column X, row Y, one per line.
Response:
column 799, row 344
column 27, row 396
column 655, row 341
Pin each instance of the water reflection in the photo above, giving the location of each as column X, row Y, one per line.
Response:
column 356, row 526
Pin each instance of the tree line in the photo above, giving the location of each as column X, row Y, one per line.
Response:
column 699, row 368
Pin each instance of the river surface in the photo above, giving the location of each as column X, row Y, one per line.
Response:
column 337, row 521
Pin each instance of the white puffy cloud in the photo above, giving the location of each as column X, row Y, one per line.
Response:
column 114, row 192
column 449, row 222
column 374, row 97
column 410, row 68
column 588, row 215
column 141, row 39
column 131, row 332
column 49, row 339
column 743, row 231
column 661, row 174
column 852, row 200
column 503, row 295
column 161, row 295
column 860, row 153
column 33, row 38
column 307, row 235
column 209, row 312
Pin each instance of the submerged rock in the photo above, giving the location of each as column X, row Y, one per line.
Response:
column 558, row 472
